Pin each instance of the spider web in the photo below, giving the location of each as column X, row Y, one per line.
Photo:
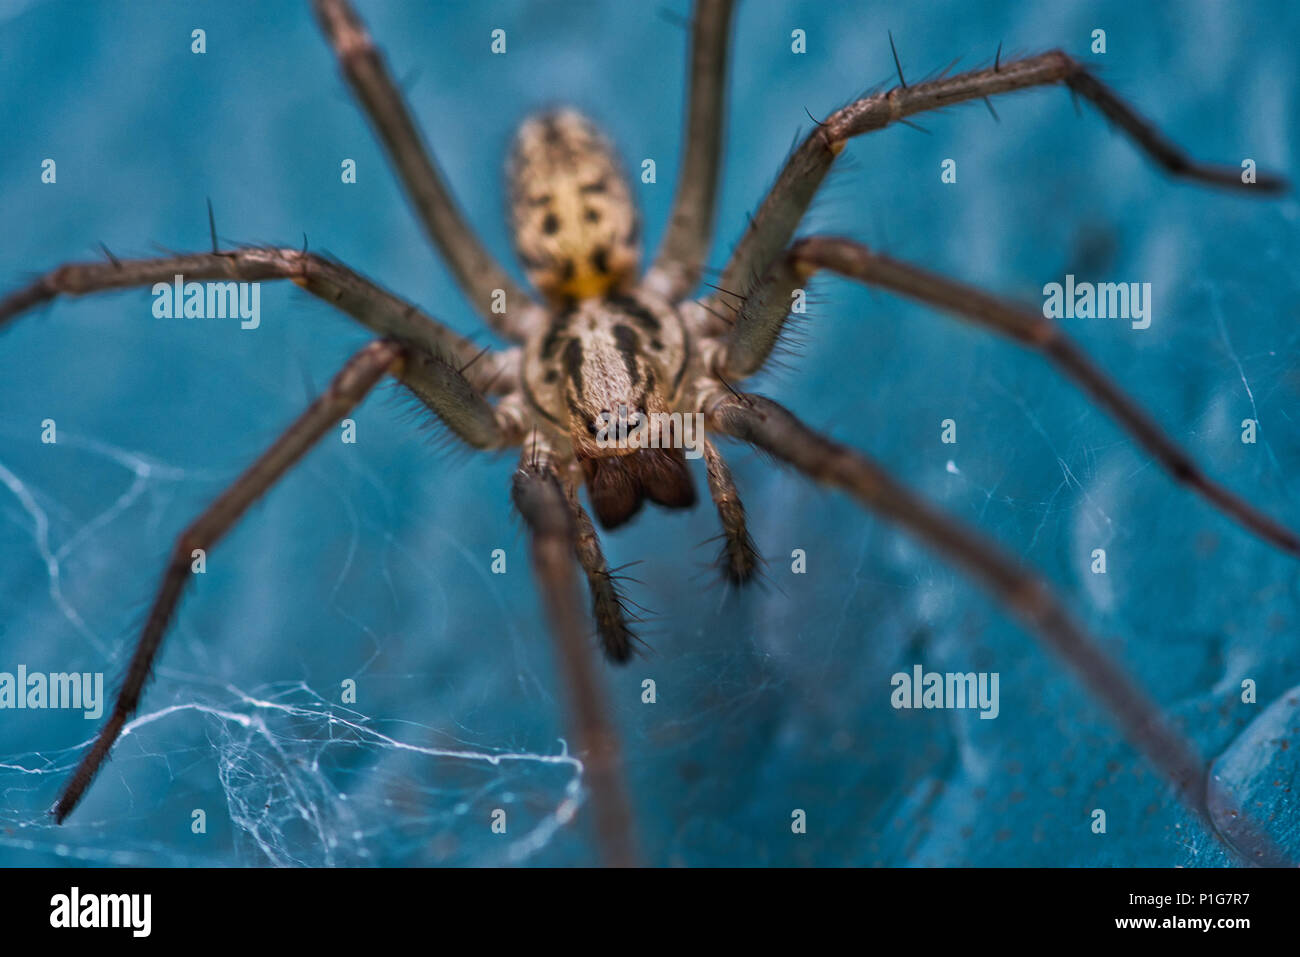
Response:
column 371, row 562
column 304, row 779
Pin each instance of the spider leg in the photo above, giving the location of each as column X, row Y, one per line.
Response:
column 538, row 494
column 783, row 207
column 759, row 324
column 770, row 427
column 336, row 284
column 607, row 607
column 676, row 268
column 476, row 272
column 349, row 387
column 738, row 558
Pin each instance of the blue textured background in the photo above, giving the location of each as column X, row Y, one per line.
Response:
column 372, row 561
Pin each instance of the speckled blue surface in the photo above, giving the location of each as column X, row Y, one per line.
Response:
column 371, row 561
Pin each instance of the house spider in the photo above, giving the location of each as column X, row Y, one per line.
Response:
column 600, row 336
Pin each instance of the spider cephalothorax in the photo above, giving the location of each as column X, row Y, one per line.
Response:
column 606, row 346
column 606, row 362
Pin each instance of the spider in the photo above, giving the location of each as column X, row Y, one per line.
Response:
column 597, row 337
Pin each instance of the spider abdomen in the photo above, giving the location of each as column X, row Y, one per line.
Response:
column 574, row 221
